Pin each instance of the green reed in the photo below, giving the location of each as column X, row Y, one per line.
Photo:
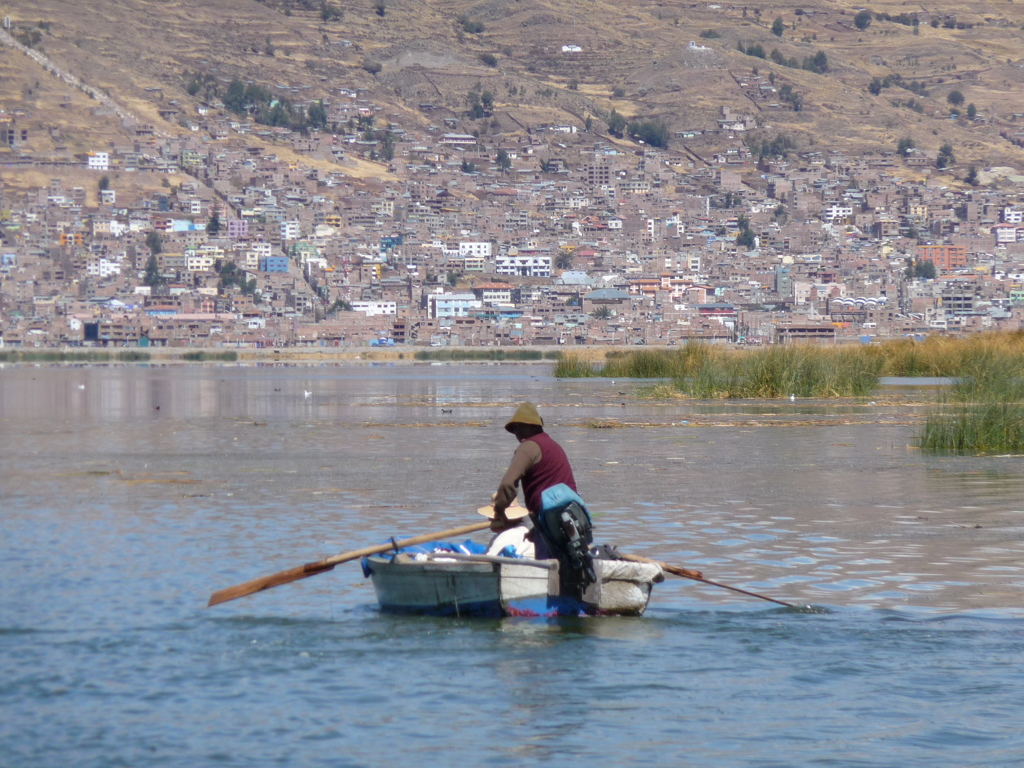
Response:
column 459, row 353
column 573, row 366
column 983, row 411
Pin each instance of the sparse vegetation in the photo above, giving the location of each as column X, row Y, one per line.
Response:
column 946, row 156
column 471, row 27
column 489, row 59
column 862, row 20
column 653, row 132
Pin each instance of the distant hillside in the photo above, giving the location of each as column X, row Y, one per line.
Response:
column 856, row 83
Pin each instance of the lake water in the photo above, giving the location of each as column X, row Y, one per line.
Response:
column 129, row 494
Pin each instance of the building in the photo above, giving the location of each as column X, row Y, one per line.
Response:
column 944, row 257
column 98, row 161
column 524, row 264
column 274, row 264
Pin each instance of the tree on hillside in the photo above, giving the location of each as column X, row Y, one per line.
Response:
column 904, row 145
column 154, row 242
column 213, row 224
column 972, row 111
column 503, row 160
column 153, row 278
column 862, row 20
column 104, row 183
column 616, row 124
column 778, row 27
column 972, row 176
column 955, row 98
column 946, row 156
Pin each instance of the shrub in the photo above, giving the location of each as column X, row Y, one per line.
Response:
column 489, row 59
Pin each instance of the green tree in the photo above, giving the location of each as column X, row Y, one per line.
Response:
column 154, row 242
column 489, row 59
column 972, row 176
column 904, row 145
column 213, row 224
column 946, row 156
column 103, row 183
column 371, row 66
column 601, row 313
column 862, row 20
column 153, row 278
column 503, row 160
column 925, row 270
column 955, row 98
column 380, row 8
column 468, row 167
column 616, row 123
column 317, row 115
column 329, row 11
column 778, row 27
column 972, row 111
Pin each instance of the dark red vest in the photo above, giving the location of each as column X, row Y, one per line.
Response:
column 552, row 469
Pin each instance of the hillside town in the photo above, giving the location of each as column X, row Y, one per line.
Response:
column 554, row 235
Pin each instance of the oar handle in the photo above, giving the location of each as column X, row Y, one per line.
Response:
column 320, row 566
column 698, row 576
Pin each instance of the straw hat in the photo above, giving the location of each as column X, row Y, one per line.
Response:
column 526, row 413
column 515, row 512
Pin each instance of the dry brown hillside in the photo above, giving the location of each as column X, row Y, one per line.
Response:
column 634, row 57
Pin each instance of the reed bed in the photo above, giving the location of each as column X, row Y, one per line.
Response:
column 974, row 428
column 705, row 371
column 203, row 357
column 983, row 411
column 64, row 356
column 573, row 366
column 458, row 353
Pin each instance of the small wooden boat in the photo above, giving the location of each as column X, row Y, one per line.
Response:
column 453, row 584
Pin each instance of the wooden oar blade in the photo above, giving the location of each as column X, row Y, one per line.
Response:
column 267, row 582
column 321, row 566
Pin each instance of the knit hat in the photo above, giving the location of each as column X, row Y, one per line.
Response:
column 526, row 413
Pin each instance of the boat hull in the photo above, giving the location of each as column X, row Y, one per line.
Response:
column 513, row 588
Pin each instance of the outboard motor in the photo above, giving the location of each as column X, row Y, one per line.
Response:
column 569, row 534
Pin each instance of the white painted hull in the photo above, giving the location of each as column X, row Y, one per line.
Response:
column 506, row 587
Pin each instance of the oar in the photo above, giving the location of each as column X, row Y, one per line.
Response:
column 320, row 566
column 698, row 576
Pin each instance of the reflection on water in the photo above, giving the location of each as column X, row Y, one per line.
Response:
column 131, row 493
column 838, row 511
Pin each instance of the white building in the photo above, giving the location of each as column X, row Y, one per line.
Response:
column 290, row 230
column 199, row 262
column 99, row 161
column 375, row 308
column 524, row 265
column 103, row 268
column 475, row 249
column 442, row 305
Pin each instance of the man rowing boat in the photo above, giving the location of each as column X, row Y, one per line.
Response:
column 549, row 490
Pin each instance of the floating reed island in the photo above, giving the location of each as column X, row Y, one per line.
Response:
column 981, row 412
